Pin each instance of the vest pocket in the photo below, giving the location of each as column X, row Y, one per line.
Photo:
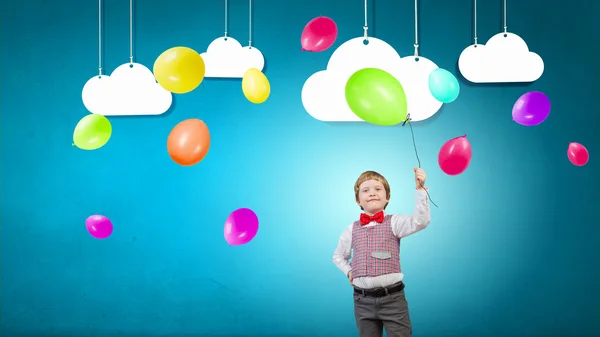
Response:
column 381, row 255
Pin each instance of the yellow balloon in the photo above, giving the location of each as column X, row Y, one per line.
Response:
column 255, row 86
column 179, row 70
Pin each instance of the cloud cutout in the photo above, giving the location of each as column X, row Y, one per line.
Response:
column 225, row 57
column 128, row 91
column 414, row 77
column 501, row 60
column 323, row 93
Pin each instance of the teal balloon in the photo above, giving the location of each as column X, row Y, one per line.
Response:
column 443, row 85
column 376, row 97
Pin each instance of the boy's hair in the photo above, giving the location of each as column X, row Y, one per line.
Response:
column 372, row 175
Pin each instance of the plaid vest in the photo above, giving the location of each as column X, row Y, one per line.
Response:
column 370, row 245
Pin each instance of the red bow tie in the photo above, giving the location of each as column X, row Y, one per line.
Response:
column 366, row 219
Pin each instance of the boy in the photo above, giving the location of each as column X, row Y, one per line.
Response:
column 373, row 242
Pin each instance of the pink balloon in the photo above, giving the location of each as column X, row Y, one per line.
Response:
column 578, row 154
column 99, row 226
column 241, row 227
column 319, row 34
column 455, row 156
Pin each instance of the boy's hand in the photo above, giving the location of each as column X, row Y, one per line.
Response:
column 350, row 277
column 420, row 177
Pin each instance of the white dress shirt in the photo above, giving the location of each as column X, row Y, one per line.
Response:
column 402, row 226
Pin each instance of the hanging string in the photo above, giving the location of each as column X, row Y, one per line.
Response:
column 226, row 20
column 250, row 25
column 475, row 21
column 131, row 33
column 99, row 38
column 504, row 16
column 407, row 121
column 366, row 26
column 416, row 32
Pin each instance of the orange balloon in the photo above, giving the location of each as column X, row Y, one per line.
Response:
column 188, row 142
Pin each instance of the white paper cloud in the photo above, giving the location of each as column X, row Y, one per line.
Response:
column 501, row 60
column 225, row 57
column 127, row 91
column 414, row 77
column 323, row 93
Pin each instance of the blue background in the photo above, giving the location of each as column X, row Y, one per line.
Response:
column 513, row 249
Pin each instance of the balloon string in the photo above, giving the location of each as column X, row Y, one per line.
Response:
column 407, row 121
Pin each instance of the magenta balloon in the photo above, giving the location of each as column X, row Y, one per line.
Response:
column 455, row 156
column 319, row 34
column 531, row 109
column 99, row 226
column 578, row 155
column 241, row 227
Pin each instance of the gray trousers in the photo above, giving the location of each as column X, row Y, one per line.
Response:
column 374, row 313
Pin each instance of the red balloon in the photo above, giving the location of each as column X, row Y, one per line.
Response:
column 319, row 34
column 455, row 156
column 578, row 154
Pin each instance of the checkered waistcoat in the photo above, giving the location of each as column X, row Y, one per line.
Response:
column 368, row 240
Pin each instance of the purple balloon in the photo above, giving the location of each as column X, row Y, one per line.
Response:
column 241, row 227
column 99, row 226
column 531, row 109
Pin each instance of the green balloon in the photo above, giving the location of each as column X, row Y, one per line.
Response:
column 92, row 132
column 376, row 97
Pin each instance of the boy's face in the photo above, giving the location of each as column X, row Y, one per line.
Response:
column 372, row 196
